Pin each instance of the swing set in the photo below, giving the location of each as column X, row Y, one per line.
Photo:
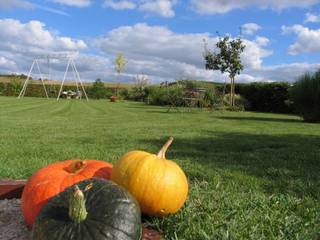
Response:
column 69, row 59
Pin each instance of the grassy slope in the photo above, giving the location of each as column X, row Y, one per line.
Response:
column 252, row 175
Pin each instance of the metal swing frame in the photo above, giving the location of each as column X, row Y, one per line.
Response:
column 58, row 56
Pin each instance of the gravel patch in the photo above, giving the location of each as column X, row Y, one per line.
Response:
column 12, row 226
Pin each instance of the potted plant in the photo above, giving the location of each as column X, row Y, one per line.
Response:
column 113, row 98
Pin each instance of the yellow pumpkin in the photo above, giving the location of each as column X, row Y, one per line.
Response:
column 159, row 185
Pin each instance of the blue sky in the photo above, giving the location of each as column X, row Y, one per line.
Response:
column 161, row 39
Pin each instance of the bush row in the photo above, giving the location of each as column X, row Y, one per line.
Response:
column 33, row 90
column 95, row 91
column 262, row 97
column 303, row 97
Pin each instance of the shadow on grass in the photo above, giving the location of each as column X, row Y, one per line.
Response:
column 282, row 163
column 157, row 109
column 165, row 109
column 172, row 111
column 146, row 107
column 264, row 119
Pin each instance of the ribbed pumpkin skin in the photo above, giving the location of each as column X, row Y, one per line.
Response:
column 159, row 185
column 113, row 214
column 53, row 179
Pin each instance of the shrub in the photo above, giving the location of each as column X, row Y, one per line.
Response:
column 209, row 99
column 166, row 96
column 158, row 96
column 2, row 88
column 180, row 95
column 98, row 90
column 305, row 95
column 16, row 86
column 189, row 84
column 241, row 103
column 124, row 93
column 137, row 94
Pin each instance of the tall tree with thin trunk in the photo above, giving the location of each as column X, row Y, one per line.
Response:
column 120, row 65
column 226, row 58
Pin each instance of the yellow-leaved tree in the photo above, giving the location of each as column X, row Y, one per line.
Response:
column 120, row 65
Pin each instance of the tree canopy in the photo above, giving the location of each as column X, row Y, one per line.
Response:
column 227, row 59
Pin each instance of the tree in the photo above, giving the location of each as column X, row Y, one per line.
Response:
column 98, row 90
column 227, row 60
column 141, row 81
column 120, row 65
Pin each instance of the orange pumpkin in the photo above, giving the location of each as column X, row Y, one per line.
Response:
column 54, row 178
column 159, row 185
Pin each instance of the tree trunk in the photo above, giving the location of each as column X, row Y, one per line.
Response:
column 232, row 93
column 223, row 93
column 118, row 80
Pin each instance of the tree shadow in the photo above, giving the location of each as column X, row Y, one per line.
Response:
column 264, row 119
column 145, row 107
column 282, row 163
column 165, row 111
column 162, row 109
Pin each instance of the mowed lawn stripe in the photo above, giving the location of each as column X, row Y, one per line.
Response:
column 14, row 102
column 18, row 109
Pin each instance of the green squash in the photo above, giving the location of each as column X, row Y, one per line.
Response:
column 93, row 209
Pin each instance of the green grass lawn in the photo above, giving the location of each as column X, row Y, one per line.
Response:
column 252, row 175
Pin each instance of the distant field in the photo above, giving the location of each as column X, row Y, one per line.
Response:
column 252, row 175
column 6, row 79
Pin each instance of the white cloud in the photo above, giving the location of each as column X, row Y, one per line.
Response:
column 250, row 28
column 262, row 41
column 156, row 51
column 163, row 54
column 224, row 6
column 6, row 63
column 283, row 72
column 33, row 38
column 163, row 8
column 8, row 4
column 21, row 42
column 142, row 40
column 119, row 5
column 312, row 18
column 307, row 39
column 12, row 4
column 254, row 53
column 75, row 3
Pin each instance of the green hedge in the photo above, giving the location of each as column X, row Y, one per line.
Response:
column 9, row 89
column 261, row 97
column 305, row 95
column 36, row 90
column 266, row 97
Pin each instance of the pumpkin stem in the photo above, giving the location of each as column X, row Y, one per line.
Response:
column 162, row 152
column 77, row 206
column 76, row 166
